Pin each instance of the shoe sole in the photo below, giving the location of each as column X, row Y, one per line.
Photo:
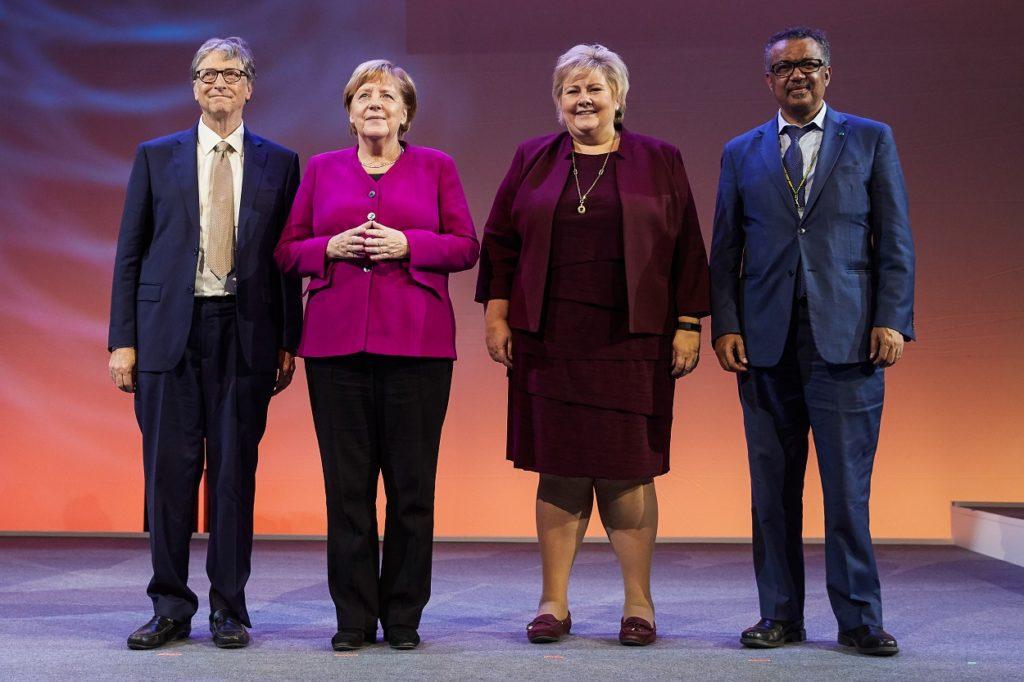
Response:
column 404, row 646
column 752, row 643
column 544, row 639
column 345, row 647
column 138, row 646
column 633, row 642
column 874, row 651
column 231, row 645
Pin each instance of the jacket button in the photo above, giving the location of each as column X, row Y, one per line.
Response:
column 790, row 273
column 371, row 215
column 802, row 230
column 195, row 251
column 366, row 268
column 372, row 194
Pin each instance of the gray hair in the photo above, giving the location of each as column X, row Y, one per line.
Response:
column 798, row 33
column 592, row 58
column 233, row 47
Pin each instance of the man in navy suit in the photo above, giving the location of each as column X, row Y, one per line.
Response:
column 812, row 288
column 203, row 330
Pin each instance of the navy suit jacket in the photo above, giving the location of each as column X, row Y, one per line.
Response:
column 853, row 245
column 158, row 250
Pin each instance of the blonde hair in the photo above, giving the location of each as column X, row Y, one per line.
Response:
column 374, row 71
column 592, row 58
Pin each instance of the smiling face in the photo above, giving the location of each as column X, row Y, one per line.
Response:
column 800, row 94
column 587, row 107
column 377, row 110
column 220, row 100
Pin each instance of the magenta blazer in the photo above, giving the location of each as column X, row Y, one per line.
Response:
column 666, row 264
column 388, row 307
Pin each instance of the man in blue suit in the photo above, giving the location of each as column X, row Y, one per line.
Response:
column 203, row 330
column 812, row 288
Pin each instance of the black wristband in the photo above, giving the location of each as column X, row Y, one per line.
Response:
column 689, row 326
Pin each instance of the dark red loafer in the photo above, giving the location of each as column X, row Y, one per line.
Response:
column 545, row 628
column 637, row 632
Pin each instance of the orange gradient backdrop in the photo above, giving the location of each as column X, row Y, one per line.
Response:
column 83, row 86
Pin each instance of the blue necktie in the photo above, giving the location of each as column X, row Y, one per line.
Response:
column 793, row 159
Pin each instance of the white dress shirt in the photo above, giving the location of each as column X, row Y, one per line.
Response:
column 207, row 283
column 810, row 143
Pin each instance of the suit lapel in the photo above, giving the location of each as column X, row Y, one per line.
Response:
column 832, row 141
column 548, row 191
column 187, row 170
column 772, row 157
column 252, row 175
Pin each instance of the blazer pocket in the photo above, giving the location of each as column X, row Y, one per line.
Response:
column 148, row 292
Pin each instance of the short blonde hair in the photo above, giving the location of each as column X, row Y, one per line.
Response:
column 374, row 71
column 592, row 58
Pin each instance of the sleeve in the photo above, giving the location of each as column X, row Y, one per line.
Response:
column 454, row 247
column 133, row 240
column 298, row 252
column 499, row 253
column 690, row 261
column 893, row 242
column 291, row 285
column 727, row 243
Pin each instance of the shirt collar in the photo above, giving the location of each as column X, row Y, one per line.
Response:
column 819, row 119
column 209, row 139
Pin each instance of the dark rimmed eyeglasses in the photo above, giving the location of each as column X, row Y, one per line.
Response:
column 209, row 76
column 806, row 66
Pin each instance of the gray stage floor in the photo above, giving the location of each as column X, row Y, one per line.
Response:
column 68, row 604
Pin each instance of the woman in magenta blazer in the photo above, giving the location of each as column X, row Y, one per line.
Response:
column 377, row 228
column 595, row 279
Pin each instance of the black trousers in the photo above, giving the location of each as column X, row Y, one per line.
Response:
column 212, row 406
column 379, row 415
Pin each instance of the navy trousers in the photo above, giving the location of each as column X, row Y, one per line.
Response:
column 842, row 406
column 210, row 406
column 379, row 416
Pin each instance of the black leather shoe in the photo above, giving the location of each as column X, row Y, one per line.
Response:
column 769, row 633
column 403, row 637
column 157, row 632
column 871, row 640
column 228, row 631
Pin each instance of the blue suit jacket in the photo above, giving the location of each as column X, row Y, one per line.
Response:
column 853, row 245
column 158, row 250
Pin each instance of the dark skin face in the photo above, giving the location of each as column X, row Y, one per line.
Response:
column 800, row 94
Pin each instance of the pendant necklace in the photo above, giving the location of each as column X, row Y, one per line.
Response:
column 581, row 209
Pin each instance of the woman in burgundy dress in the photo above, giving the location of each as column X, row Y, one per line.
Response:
column 594, row 274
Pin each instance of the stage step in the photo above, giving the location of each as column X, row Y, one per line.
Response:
column 995, row 529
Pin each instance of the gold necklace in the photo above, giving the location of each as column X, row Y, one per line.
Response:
column 581, row 209
column 383, row 164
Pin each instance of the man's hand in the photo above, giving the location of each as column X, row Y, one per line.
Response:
column 285, row 370
column 685, row 352
column 122, row 368
column 386, row 243
column 886, row 346
column 349, row 244
column 732, row 355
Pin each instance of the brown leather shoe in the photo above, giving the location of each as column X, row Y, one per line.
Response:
column 635, row 631
column 545, row 628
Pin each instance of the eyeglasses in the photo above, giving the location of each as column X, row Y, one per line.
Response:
column 806, row 66
column 209, row 76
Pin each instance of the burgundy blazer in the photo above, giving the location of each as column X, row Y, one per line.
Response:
column 666, row 264
column 387, row 307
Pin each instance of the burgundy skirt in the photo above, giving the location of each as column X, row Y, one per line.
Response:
column 586, row 397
